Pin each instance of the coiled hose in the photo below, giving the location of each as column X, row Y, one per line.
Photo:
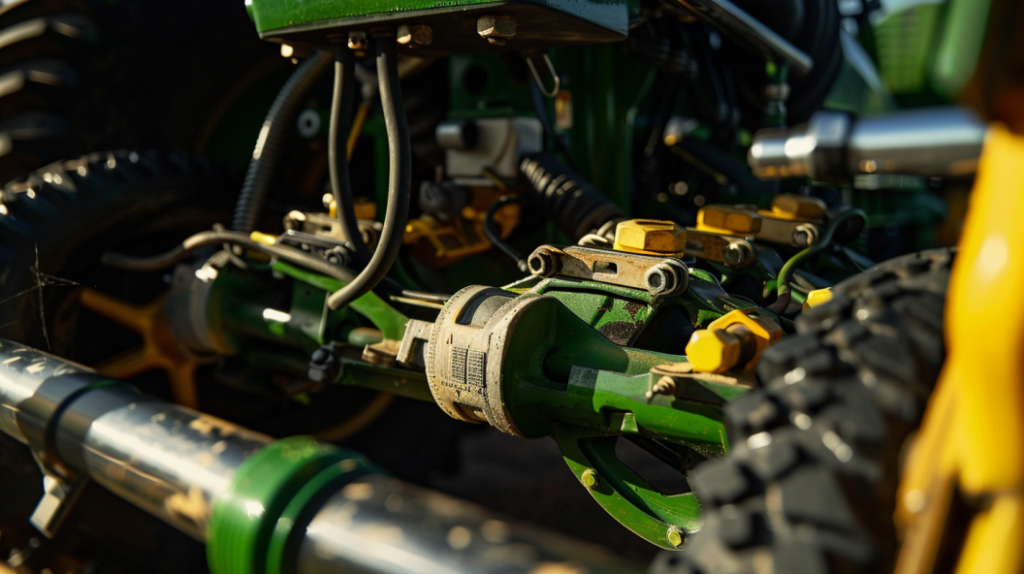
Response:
column 575, row 206
column 399, row 183
column 276, row 127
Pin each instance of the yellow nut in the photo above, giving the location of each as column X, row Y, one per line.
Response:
column 817, row 297
column 650, row 236
column 790, row 206
column 728, row 219
column 713, row 351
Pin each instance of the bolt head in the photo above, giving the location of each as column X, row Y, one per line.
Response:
column 736, row 254
column 791, row 206
column 590, row 478
column 541, row 263
column 650, row 236
column 661, row 279
column 358, row 41
column 496, row 29
column 713, row 351
column 415, row 35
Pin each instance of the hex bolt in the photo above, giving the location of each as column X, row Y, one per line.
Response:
column 415, row 35
column 590, row 479
column 358, row 41
column 496, row 29
column 674, row 536
column 736, row 254
column 542, row 263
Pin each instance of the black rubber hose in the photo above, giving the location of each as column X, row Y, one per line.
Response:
column 278, row 124
column 342, row 103
column 205, row 238
column 568, row 200
column 492, row 233
column 399, row 184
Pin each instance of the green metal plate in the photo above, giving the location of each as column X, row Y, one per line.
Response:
column 540, row 23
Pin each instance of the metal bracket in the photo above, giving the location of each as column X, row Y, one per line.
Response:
column 660, row 276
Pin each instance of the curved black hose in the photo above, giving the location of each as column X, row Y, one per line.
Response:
column 575, row 206
column 276, row 127
column 342, row 103
column 202, row 239
column 495, row 236
column 399, row 184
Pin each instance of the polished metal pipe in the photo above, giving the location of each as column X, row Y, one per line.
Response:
column 181, row 466
column 169, row 460
column 380, row 524
column 833, row 146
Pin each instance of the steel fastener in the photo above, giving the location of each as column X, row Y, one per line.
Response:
column 358, row 41
column 496, row 29
column 543, row 263
column 415, row 35
column 736, row 254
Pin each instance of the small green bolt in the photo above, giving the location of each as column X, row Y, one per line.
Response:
column 674, row 536
column 590, row 478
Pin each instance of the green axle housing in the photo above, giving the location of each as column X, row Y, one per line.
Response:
column 455, row 26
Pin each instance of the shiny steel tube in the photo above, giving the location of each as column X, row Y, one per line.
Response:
column 169, row 460
column 833, row 146
column 380, row 524
column 202, row 475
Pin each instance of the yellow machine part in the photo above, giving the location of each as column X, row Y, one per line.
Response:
column 441, row 243
column 650, row 237
column 971, row 446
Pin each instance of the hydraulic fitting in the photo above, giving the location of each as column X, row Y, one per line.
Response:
column 833, row 146
column 650, row 237
column 734, row 341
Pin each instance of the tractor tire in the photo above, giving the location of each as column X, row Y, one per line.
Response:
column 810, row 481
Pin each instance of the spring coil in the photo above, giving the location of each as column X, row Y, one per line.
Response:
column 576, row 208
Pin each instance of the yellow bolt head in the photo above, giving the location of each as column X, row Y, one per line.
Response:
column 789, row 206
column 728, row 219
column 650, row 236
column 817, row 297
column 590, row 479
column 674, row 536
column 713, row 351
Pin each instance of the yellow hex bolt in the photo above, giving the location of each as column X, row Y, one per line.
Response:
column 728, row 219
column 590, row 479
column 650, row 236
column 803, row 207
column 713, row 351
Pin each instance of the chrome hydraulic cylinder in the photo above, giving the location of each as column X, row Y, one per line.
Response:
column 834, row 146
column 260, row 505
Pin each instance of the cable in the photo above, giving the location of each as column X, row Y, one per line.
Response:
column 276, row 127
column 399, row 183
column 341, row 183
column 783, row 283
column 495, row 236
column 202, row 239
